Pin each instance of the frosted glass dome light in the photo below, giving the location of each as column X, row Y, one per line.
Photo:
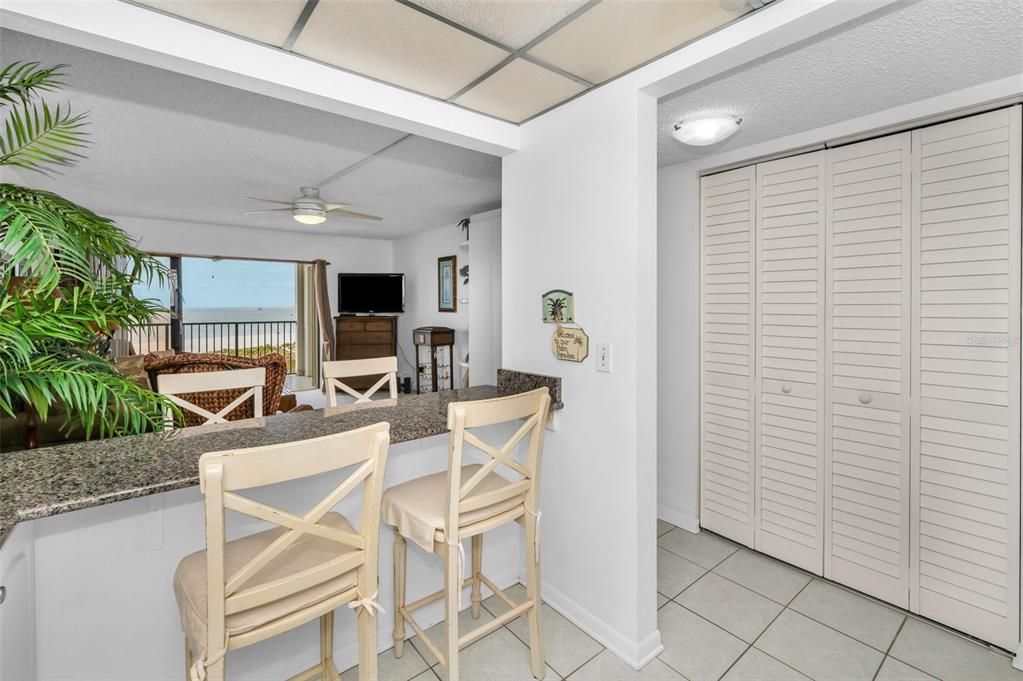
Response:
column 309, row 216
column 704, row 129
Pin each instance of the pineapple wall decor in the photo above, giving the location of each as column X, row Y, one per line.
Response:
column 569, row 343
column 558, row 307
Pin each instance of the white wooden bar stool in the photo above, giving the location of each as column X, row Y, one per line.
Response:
column 338, row 369
column 438, row 511
column 175, row 385
column 240, row 592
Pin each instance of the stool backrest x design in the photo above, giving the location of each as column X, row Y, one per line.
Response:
column 531, row 408
column 175, row 385
column 332, row 371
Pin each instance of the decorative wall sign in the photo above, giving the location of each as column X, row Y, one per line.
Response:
column 446, row 284
column 558, row 307
column 570, row 344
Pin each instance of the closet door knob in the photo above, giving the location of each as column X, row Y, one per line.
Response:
column 786, row 388
column 865, row 398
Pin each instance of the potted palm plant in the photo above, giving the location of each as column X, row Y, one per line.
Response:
column 66, row 276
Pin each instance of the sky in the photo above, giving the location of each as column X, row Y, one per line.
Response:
column 230, row 283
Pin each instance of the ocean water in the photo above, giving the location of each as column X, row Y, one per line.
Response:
column 233, row 330
column 238, row 314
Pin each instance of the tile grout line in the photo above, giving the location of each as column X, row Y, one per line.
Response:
column 839, row 631
column 760, row 635
column 602, row 649
column 891, row 644
column 546, row 661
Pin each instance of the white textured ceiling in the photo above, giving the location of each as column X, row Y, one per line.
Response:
column 474, row 53
column 911, row 52
column 168, row 146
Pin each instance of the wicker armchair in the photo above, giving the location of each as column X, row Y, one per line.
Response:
column 187, row 362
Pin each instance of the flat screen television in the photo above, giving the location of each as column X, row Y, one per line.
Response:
column 370, row 293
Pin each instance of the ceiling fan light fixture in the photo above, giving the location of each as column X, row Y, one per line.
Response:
column 705, row 129
column 309, row 216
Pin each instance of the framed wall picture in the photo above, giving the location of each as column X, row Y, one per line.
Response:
column 447, row 269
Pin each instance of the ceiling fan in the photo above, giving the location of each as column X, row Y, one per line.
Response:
column 310, row 209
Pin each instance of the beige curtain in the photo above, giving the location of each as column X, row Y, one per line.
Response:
column 326, row 324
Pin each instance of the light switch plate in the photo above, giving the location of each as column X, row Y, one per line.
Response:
column 604, row 357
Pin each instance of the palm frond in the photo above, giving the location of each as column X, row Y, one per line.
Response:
column 36, row 136
column 20, row 80
column 90, row 389
column 50, row 238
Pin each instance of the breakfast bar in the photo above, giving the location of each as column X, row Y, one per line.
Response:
column 91, row 532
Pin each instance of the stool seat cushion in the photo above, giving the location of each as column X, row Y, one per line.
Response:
column 417, row 507
column 307, row 552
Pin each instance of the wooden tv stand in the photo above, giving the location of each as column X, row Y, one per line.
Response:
column 363, row 337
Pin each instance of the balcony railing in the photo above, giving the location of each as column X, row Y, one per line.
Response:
column 240, row 339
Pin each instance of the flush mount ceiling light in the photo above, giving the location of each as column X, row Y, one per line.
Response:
column 704, row 129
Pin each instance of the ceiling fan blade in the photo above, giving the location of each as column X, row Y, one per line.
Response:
column 332, row 206
column 256, row 198
column 352, row 214
column 269, row 210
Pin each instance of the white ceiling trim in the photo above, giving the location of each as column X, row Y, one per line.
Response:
column 767, row 30
column 123, row 30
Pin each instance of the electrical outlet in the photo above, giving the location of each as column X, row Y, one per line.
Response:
column 604, row 357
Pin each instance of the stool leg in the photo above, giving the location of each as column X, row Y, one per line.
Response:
column 453, row 586
column 536, row 662
column 367, row 645
column 477, row 569
column 326, row 644
column 399, row 593
column 188, row 661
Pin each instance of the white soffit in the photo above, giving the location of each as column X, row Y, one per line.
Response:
column 393, row 43
column 267, row 22
column 172, row 147
column 518, row 91
column 617, row 35
column 510, row 22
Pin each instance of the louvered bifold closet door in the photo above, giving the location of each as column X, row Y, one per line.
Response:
column 790, row 349
column 866, row 539
column 726, row 442
column 966, row 306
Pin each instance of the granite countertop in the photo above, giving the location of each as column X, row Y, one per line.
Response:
column 43, row 482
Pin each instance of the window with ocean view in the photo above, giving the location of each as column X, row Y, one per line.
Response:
column 219, row 305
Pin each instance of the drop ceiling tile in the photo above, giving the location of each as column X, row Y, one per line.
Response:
column 510, row 22
column 617, row 35
column 395, row 44
column 267, row 22
column 518, row 91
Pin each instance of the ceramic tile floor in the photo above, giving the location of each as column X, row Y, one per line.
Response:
column 732, row 614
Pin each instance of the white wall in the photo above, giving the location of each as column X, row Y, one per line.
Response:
column 485, row 298
column 578, row 214
column 416, row 256
column 678, row 343
column 345, row 254
column 678, row 280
